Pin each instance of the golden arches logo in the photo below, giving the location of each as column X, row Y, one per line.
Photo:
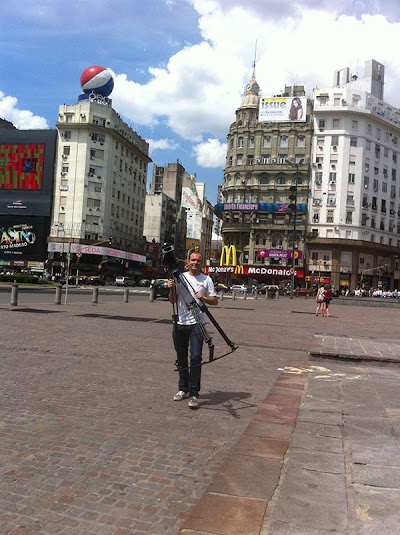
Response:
column 226, row 253
column 239, row 270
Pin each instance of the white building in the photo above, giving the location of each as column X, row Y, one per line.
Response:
column 354, row 205
column 100, row 179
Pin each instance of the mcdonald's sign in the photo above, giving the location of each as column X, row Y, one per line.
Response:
column 239, row 270
column 226, row 253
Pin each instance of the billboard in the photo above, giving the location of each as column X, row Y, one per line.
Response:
column 22, row 238
column 21, row 166
column 283, row 109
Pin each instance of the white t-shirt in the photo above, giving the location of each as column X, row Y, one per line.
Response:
column 203, row 284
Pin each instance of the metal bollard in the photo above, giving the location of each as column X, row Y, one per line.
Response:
column 95, row 297
column 126, row 295
column 233, row 295
column 221, row 295
column 14, row 294
column 244, row 295
column 256, row 294
column 152, row 294
column 57, row 300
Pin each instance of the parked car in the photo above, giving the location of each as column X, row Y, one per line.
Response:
column 161, row 288
column 95, row 280
column 239, row 288
column 124, row 281
column 144, row 283
column 220, row 287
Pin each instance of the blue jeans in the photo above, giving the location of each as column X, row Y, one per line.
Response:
column 187, row 337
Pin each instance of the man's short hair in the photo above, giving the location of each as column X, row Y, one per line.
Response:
column 193, row 251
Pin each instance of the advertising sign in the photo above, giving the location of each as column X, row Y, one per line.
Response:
column 22, row 239
column 21, row 166
column 259, row 207
column 278, row 253
column 255, row 271
column 283, row 109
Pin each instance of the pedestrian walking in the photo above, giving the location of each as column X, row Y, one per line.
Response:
column 319, row 299
column 326, row 301
column 186, row 333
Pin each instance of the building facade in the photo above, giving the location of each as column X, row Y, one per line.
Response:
column 354, row 203
column 264, row 197
column 100, row 185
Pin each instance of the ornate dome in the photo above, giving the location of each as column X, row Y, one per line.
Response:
column 250, row 98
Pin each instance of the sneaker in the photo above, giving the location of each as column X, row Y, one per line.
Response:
column 193, row 402
column 180, row 395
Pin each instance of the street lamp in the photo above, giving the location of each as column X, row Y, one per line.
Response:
column 109, row 241
column 293, row 209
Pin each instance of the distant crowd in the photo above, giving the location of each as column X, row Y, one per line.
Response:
column 377, row 292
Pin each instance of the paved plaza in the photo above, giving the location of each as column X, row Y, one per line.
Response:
column 290, row 438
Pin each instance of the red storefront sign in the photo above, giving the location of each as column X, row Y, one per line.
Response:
column 256, row 271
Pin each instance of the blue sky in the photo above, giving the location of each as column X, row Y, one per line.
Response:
column 181, row 66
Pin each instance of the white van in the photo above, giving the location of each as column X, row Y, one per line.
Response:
column 124, row 281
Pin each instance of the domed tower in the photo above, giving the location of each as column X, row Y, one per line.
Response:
column 268, row 151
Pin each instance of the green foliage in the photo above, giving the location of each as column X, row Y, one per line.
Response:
column 23, row 279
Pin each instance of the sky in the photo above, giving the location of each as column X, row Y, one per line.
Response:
column 180, row 66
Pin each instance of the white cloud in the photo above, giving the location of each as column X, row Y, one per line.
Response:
column 196, row 94
column 161, row 144
column 211, row 153
column 22, row 119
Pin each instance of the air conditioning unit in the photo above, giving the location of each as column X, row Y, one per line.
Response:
column 64, row 156
column 273, row 160
column 334, row 147
column 318, row 182
column 366, row 186
column 278, row 247
column 332, row 182
column 63, row 173
column 97, row 209
column 317, row 201
column 320, row 147
column 101, row 143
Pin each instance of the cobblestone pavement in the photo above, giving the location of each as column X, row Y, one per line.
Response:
column 91, row 441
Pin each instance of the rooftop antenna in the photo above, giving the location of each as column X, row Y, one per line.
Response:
column 255, row 58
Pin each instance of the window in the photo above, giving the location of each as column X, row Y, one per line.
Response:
column 375, row 186
column 330, row 216
column 366, row 181
column 280, row 180
column 369, row 128
column 363, row 220
column 336, row 101
column 376, row 170
column 383, row 206
column 282, row 158
column 251, row 142
column 352, row 178
column 331, row 198
column 321, row 124
column 315, row 217
column 377, row 151
column 267, row 141
column 367, row 144
column 239, row 159
column 332, row 178
column 353, row 142
column 283, row 142
column 349, row 217
column 240, row 142
column 250, row 160
column 335, row 140
column 384, row 187
column 386, row 152
column 394, row 157
column 318, row 178
column 65, row 169
column 335, row 123
column 354, row 125
column 265, row 158
column 67, row 135
column 378, row 133
column 365, row 201
column 301, row 141
column 374, row 203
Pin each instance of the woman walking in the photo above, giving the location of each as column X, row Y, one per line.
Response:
column 320, row 300
column 326, row 301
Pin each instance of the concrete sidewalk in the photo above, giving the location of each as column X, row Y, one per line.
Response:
column 321, row 455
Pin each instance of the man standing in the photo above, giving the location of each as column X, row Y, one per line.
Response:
column 186, row 332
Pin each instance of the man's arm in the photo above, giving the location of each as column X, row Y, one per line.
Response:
column 172, row 291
